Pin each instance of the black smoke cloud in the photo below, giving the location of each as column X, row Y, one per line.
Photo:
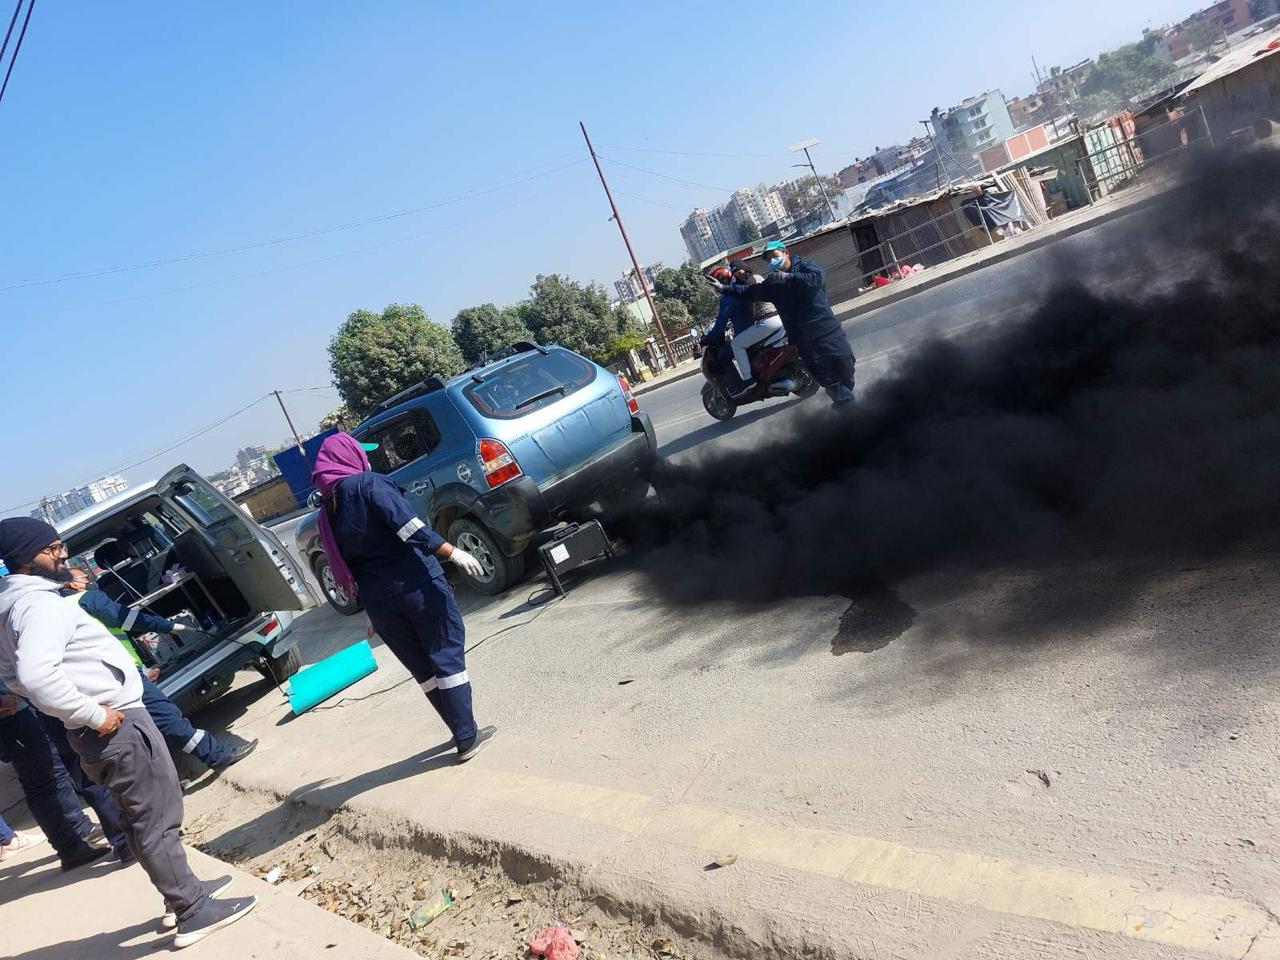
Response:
column 1136, row 425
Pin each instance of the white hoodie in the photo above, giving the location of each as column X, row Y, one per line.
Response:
column 61, row 659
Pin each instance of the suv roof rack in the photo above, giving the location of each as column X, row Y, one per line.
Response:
column 429, row 385
column 503, row 353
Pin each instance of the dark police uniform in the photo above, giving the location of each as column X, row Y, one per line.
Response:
column 800, row 294
column 391, row 554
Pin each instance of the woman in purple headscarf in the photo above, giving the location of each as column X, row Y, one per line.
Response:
column 378, row 548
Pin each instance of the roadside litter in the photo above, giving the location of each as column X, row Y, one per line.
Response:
column 440, row 902
column 555, row 943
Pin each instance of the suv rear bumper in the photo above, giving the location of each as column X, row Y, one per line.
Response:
column 211, row 674
column 520, row 509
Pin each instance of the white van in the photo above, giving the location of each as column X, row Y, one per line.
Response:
column 181, row 549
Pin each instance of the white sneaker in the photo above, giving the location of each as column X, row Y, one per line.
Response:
column 211, row 888
column 22, row 840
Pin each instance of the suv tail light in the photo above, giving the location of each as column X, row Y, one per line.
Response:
column 626, row 394
column 498, row 464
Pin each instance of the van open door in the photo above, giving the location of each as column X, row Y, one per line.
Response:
column 253, row 557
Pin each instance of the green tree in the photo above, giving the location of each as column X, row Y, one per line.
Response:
column 804, row 198
column 479, row 331
column 686, row 284
column 373, row 356
column 572, row 314
column 1201, row 35
column 675, row 317
column 341, row 419
column 1123, row 73
column 748, row 231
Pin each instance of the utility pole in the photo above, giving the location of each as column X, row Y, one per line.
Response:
column 617, row 218
column 296, row 439
column 805, row 145
column 940, row 168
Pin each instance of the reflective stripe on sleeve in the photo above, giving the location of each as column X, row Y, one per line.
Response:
column 457, row 680
column 410, row 528
column 130, row 620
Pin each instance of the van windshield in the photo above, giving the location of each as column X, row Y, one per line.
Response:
column 529, row 384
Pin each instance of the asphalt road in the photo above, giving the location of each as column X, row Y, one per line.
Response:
column 975, row 783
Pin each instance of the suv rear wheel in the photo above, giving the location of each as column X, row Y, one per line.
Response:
column 336, row 596
column 500, row 571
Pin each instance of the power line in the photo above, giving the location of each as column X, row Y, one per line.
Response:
column 17, row 46
column 665, row 206
column 664, row 176
column 9, row 33
column 258, row 244
column 159, row 453
column 696, row 153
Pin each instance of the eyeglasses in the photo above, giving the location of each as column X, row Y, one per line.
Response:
column 56, row 550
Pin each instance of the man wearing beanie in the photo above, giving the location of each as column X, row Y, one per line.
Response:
column 70, row 667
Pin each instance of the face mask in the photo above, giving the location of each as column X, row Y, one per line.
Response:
column 775, row 263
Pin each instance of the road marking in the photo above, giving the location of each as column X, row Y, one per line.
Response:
column 1110, row 903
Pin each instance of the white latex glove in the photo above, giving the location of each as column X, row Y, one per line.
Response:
column 715, row 284
column 467, row 563
column 179, row 628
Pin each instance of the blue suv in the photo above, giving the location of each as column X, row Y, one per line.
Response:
column 496, row 455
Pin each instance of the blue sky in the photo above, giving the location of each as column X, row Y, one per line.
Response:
column 135, row 132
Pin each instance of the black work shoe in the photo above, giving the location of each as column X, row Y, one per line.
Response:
column 215, row 915
column 241, row 750
column 211, row 889
column 125, row 856
column 86, row 854
column 469, row 748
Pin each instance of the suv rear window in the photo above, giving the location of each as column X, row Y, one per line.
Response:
column 529, row 384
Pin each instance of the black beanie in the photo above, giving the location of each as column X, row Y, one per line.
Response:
column 21, row 538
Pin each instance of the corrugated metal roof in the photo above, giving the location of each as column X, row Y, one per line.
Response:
column 1242, row 56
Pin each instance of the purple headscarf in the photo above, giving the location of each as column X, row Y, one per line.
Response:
column 339, row 456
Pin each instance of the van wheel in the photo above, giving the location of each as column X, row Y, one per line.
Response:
column 281, row 668
column 500, row 571
column 337, row 597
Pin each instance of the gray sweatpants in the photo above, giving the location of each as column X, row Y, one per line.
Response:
column 134, row 765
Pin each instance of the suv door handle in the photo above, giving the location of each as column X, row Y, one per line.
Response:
column 419, row 487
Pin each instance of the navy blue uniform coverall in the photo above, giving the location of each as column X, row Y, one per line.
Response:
column 736, row 314
column 391, row 554
column 179, row 732
column 800, row 294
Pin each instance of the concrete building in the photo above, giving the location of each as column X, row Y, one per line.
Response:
column 699, row 238
column 629, row 287
column 1034, row 110
column 1212, row 23
column 62, row 505
column 973, row 125
column 1239, row 90
column 1063, row 83
column 246, row 455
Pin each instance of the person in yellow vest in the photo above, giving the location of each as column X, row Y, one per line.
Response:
column 182, row 736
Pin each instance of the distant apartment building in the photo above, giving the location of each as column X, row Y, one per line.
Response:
column 883, row 160
column 68, row 503
column 750, row 211
column 973, row 125
column 1034, row 110
column 246, row 455
column 629, row 287
column 1212, row 23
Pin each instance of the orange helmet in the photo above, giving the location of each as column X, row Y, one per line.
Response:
column 722, row 274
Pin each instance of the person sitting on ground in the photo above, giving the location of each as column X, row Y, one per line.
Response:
column 66, row 664
column 183, row 737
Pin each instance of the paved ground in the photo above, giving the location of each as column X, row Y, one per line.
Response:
column 1083, row 782
column 1060, row 786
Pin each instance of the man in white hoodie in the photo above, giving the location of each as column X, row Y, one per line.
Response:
column 70, row 667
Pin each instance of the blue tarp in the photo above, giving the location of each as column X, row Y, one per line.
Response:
column 296, row 467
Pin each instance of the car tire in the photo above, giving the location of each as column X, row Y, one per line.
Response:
column 281, row 668
column 716, row 403
column 501, row 571
column 347, row 606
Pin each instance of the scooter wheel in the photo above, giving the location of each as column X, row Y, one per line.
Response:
column 716, row 403
column 806, row 386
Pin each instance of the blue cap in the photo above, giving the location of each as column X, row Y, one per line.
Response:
column 774, row 245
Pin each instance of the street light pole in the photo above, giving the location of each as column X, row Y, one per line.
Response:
column 805, row 145
column 617, row 218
